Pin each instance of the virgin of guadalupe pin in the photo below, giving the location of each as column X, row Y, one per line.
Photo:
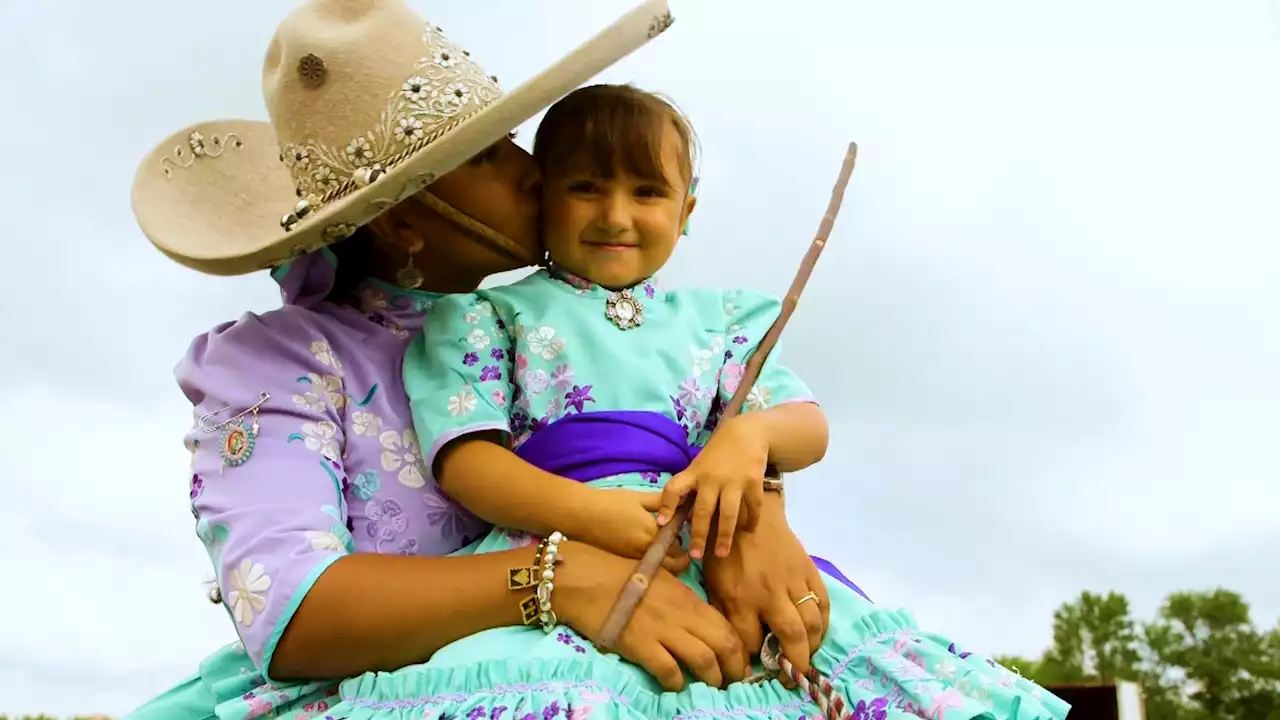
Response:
column 624, row 310
column 239, row 434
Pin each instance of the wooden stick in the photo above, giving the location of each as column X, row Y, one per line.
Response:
column 633, row 592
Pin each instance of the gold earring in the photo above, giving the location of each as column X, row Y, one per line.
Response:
column 409, row 276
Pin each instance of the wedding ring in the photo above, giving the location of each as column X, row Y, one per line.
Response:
column 811, row 596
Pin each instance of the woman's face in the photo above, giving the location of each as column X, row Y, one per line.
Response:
column 500, row 188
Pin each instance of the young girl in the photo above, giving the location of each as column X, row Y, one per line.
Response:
column 562, row 404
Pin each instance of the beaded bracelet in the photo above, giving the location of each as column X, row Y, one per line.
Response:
column 540, row 576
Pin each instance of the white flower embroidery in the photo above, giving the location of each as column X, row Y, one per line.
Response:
column 249, row 582
column 471, row 318
column 537, row 381
column 415, row 89
column 544, row 342
column 309, row 401
column 759, row 398
column 325, row 541
column 400, row 451
column 464, row 403
column 322, row 438
column 409, row 130
column 701, row 360
column 359, row 153
column 324, row 355
column 365, row 423
column 478, row 339
column 455, row 94
column 331, row 387
column 484, row 307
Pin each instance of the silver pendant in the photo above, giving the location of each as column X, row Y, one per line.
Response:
column 624, row 310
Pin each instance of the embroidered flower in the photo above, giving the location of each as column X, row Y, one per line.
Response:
column 498, row 354
column 415, row 89
column 484, row 307
column 386, row 521
column 877, row 709
column 536, row 382
column 366, row 484
column 400, row 451
column 463, row 403
column 490, row 373
column 498, row 397
column 576, row 397
column 197, row 486
column 409, row 130
column 691, row 392
column 309, row 402
column 471, row 318
column 450, row 517
column 444, row 58
column 455, row 95
column 321, row 437
column 365, row 423
column 759, row 398
column 478, row 339
column 324, row 355
column 562, row 377
column 325, row 541
column 249, row 581
column 731, row 377
column 470, row 359
column 359, row 153
column 702, row 359
column 330, row 386
column 544, row 342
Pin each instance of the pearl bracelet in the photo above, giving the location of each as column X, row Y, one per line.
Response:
column 546, row 582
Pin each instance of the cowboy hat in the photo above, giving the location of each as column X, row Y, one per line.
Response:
column 369, row 104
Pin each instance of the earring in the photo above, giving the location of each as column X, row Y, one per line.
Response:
column 409, row 276
column 693, row 192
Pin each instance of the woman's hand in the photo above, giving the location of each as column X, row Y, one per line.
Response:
column 729, row 474
column 760, row 583
column 671, row 627
column 622, row 522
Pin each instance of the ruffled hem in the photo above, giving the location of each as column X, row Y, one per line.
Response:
column 599, row 689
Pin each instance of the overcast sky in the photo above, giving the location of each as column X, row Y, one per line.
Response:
column 1044, row 331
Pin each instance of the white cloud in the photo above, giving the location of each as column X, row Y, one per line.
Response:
column 1042, row 328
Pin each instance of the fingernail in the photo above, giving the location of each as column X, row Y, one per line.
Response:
column 696, row 554
column 662, row 519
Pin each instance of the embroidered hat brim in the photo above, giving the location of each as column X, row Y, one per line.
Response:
column 230, row 197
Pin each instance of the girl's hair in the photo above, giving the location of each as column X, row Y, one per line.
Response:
column 616, row 128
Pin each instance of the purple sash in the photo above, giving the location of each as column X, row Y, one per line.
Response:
column 592, row 445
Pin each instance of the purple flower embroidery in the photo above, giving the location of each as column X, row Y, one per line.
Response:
column 470, row 359
column 476, row 713
column 962, row 655
column 497, row 711
column 490, row 373
column 728, row 355
column 648, row 290
column 567, row 639
column 577, row 397
column 386, row 520
column 740, row 340
column 519, row 422
column 497, row 354
column 501, row 326
column 551, row 710
column 877, row 709
column 679, row 408
column 652, row 477
column 197, row 486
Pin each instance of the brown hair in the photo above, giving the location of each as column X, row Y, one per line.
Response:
column 616, row 127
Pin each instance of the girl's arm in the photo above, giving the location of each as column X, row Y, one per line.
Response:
column 796, row 434
column 504, row 490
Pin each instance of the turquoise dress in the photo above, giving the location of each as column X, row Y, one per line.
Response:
column 523, row 357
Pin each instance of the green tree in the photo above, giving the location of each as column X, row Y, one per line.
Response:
column 1095, row 639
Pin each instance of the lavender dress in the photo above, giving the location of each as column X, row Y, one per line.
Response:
column 335, row 468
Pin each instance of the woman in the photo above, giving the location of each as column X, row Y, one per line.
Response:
column 326, row 533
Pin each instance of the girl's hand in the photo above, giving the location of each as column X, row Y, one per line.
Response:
column 622, row 522
column 729, row 473
column 671, row 627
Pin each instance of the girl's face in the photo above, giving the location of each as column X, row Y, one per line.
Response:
column 499, row 188
column 615, row 231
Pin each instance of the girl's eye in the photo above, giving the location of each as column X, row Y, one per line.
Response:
column 582, row 186
column 650, row 191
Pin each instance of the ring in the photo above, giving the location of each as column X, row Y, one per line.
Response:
column 811, row 596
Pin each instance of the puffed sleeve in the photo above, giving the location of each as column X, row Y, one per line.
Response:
column 458, row 373
column 748, row 316
column 268, row 504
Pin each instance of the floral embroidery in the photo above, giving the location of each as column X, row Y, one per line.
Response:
column 325, row 541
column 309, row 402
column 464, row 403
column 328, row 387
column 386, row 521
column 490, row 373
column 478, row 339
column 366, row 484
column 577, row 397
column 249, row 581
column 321, row 437
column 365, row 423
column 562, row 377
column 536, row 381
column 543, row 342
column 759, row 398
column 400, row 451
column 447, row 515
column 324, row 355
column 565, row 638
column 499, row 397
